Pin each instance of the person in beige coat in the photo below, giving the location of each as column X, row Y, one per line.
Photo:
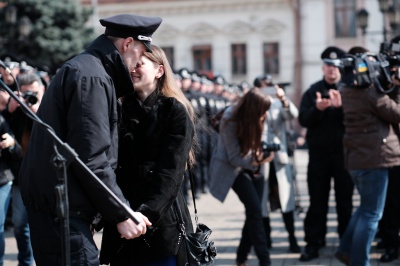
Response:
column 279, row 176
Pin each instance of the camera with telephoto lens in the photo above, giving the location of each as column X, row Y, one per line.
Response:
column 30, row 97
column 267, row 148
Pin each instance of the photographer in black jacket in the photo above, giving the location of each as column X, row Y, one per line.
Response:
column 31, row 92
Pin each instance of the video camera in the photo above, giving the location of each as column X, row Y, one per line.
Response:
column 267, row 148
column 30, row 97
column 366, row 69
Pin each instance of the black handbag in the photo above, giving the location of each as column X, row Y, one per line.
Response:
column 199, row 249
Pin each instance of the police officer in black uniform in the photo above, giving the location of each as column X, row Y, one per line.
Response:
column 81, row 106
column 325, row 130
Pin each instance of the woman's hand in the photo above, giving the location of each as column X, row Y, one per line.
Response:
column 261, row 160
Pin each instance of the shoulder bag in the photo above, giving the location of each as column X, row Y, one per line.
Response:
column 200, row 250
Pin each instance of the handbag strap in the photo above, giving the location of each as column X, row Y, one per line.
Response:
column 196, row 218
column 180, row 217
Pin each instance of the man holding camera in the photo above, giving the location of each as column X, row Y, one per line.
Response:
column 371, row 147
column 321, row 113
column 32, row 90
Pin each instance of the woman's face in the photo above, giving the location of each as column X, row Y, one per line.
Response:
column 146, row 75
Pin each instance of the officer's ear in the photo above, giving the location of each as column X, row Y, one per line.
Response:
column 126, row 43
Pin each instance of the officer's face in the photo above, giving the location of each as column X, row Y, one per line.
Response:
column 331, row 73
column 132, row 54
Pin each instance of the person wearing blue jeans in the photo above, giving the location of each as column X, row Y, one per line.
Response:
column 357, row 239
column 21, row 228
column 371, row 147
column 10, row 151
column 21, row 125
column 5, row 192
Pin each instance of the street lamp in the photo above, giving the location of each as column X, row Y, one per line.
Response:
column 388, row 12
column 362, row 20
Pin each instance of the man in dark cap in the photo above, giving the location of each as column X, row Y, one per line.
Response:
column 322, row 114
column 81, row 106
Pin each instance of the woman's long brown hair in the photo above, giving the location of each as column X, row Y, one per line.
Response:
column 167, row 86
column 249, row 115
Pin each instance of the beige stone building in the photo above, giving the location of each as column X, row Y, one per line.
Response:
column 241, row 39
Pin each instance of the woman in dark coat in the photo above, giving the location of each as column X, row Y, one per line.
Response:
column 155, row 149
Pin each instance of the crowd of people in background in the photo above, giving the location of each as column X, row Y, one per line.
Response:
column 231, row 124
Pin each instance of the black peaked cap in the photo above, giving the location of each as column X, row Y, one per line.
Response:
column 127, row 25
column 331, row 55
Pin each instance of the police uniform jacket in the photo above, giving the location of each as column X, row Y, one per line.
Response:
column 370, row 140
column 325, row 129
column 155, row 140
column 81, row 106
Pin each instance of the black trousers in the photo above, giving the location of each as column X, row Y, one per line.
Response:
column 250, row 193
column 389, row 226
column 46, row 241
column 322, row 168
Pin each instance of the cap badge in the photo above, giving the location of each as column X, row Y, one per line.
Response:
column 333, row 55
column 144, row 38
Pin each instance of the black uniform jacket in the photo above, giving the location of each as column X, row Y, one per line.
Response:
column 325, row 129
column 81, row 106
column 156, row 137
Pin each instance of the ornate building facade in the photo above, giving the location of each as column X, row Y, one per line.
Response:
column 243, row 39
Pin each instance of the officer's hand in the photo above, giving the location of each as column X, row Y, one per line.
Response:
column 129, row 230
column 322, row 103
column 336, row 98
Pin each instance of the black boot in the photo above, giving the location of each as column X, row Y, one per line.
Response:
column 267, row 228
column 288, row 219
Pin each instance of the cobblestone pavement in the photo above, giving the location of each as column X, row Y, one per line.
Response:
column 226, row 220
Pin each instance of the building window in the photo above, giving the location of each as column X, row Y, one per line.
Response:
column 202, row 59
column 239, row 59
column 169, row 53
column 345, row 18
column 271, row 58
